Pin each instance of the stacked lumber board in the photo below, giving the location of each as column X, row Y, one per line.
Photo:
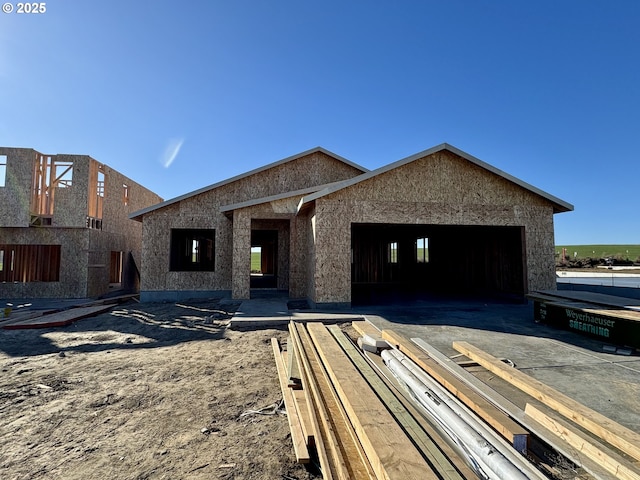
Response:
column 353, row 421
column 609, row 450
column 350, row 419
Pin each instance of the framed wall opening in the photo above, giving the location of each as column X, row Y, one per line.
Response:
column 264, row 259
column 3, row 170
column 115, row 269
column 49, row 174
column 192, row 250
column 96, row 195
column 394, row 262
column 29, row 263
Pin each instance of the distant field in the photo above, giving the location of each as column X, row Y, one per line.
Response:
column 255, row 262
column 632, row 252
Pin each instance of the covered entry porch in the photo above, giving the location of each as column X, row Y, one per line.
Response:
column 261, row 251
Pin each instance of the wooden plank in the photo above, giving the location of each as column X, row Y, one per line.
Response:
column 365, row 328
column 315, row 408
column 59, row 319
column 390, row 451
column 300, row 401
column 596, row 423
column 423, row 441
column 505, row 426
column 591, row 297
column 608, row 459
column 299, row 444
column 513, row 411
column 293, row 369
column 345, row 447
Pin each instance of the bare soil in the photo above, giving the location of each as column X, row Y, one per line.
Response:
column 145, row 391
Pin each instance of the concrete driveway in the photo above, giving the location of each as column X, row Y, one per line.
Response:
column 579, row 367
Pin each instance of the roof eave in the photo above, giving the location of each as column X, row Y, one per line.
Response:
column 559, row 205
column 140, row 213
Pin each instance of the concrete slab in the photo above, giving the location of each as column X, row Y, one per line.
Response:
column 258, row 312
column 575, row 365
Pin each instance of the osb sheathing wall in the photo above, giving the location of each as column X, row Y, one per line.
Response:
column 85, row 253
column 15, row 196
column 203, row 211
column 441, row 189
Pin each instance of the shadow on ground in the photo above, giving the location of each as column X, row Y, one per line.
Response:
column 129, row 326
column 478, row 314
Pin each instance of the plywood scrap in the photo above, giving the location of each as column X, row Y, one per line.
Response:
column 505, row 426
column 390, row 451
column 345, row 452
column 606, row 429
column 58, row 319
column 297, row 436
column 427, row 445
column 585, row 445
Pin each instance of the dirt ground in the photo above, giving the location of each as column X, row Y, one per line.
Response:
column 144, row 391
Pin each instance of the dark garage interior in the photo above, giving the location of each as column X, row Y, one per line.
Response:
column 398, row 261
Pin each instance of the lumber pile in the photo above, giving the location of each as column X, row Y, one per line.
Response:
column 347, row 416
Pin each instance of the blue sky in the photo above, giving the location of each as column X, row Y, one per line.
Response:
column 179, row 95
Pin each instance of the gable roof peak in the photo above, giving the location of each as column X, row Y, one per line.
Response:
column 138, row 215
column 559, row 205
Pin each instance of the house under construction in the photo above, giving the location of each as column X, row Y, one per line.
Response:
column 64, row 226
column 328, row 230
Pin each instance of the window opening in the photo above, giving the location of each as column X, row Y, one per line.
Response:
column 29, row 263
column 3, row 170
column 49, row 174
column 392, row 252
column 96, row 195
column 422, row 250
column 192, row 250
column 125, row 194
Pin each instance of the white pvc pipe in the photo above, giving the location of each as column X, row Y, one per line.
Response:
column 488, row 461
column 472, row 419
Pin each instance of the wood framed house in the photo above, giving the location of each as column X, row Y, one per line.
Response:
column 65, row 230
column 330, row 231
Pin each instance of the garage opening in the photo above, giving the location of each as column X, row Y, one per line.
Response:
column 392, row 262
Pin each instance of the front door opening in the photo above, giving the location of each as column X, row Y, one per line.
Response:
column 264, row 259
